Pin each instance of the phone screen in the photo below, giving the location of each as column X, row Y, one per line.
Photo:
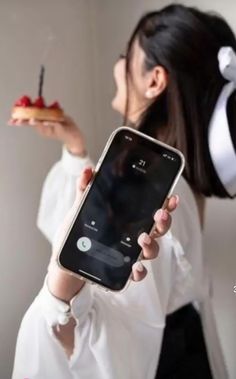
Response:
column 132, row 183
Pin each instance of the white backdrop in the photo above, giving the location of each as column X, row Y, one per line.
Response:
column 78, row 41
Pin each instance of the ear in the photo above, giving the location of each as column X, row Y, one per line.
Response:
column 157, row 82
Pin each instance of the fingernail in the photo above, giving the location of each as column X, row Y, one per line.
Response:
column 139, row 267
column 146, row 239
column 164, row 215
column 176, row 199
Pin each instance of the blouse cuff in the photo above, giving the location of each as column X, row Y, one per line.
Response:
column 74, row 164
column 57, row 311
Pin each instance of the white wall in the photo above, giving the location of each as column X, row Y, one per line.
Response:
column 87, row 37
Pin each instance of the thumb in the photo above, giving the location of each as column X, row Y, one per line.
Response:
column 83, row 181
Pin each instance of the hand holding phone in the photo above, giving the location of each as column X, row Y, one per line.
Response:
column 133, row 178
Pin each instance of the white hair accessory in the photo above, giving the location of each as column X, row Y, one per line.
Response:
column 220, row 142
column 227, row 63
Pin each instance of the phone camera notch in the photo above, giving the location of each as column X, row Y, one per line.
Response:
column 167, row 156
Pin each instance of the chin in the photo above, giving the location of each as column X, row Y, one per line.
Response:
column 116, row 105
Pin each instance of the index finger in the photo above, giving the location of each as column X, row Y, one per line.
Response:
column 18, row 122
column 35, row 122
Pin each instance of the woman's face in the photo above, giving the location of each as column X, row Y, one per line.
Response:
column 136, row 83
column 143, row 86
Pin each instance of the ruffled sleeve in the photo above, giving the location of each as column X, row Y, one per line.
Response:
column 59, row 192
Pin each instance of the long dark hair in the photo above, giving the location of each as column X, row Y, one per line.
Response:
column 186, row 41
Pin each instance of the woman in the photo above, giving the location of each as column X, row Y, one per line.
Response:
column 176, row 83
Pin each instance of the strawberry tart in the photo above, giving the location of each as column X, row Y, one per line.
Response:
column 26, row 109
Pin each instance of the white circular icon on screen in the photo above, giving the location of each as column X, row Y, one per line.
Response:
column 84, row 244
column 127, row 259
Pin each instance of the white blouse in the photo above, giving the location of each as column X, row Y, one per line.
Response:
column 117, row 335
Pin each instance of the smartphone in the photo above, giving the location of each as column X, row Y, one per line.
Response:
column 133, row 178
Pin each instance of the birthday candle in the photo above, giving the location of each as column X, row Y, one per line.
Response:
column 41, row 79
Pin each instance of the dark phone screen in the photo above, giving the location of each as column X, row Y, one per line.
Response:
column 132, row 183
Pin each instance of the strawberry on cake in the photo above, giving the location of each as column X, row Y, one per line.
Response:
column 25, row 109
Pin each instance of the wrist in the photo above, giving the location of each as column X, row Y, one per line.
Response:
column 75, row 143
column 76, row 149
column 63, row 285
